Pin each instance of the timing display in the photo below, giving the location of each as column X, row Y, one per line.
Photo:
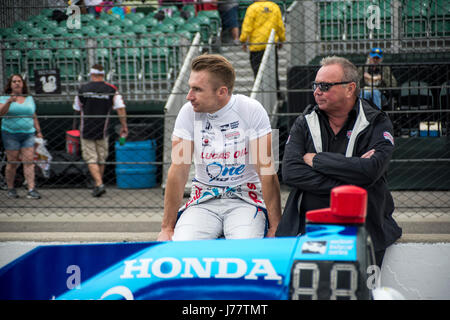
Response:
column 324, row 280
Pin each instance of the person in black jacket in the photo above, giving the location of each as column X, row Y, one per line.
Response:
column 342, row 140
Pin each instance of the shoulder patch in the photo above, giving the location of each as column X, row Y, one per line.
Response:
column 388, row 136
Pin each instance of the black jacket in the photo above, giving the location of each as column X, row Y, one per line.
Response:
column 372, row 130
column 97, row 99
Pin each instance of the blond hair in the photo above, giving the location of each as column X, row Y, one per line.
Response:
column 218, row 66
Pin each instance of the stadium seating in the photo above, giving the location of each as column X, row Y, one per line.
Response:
column 213, row 16
column 148, row 22
column 38, row 59
column 13, row 61
column 415, row 95
column 128, row 62
column 155, row 63
column 135, row 46
column 189, row 27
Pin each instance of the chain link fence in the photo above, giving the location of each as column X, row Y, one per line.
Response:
column 143, row 55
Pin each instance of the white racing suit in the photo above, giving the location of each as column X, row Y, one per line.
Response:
column 231, row 212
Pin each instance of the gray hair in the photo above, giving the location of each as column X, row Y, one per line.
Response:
column 351, row 73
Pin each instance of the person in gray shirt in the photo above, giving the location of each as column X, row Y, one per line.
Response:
column 228, row 10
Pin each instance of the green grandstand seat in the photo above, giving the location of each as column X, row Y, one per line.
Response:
column 172, row 42
column 214, row 17
column 16, row 37
column 130, row 38
column 331, row 17
column 415, row 8
column 177, row 21
column 59, row 44
column 331, row 31
column 44, row 41
column 164, row 28
column 148, row 22
column 440, row 27
column 76, row 41
column 333, row 11
column 34, row 32
column 99, row 23
column 385, row 9
column 190, row 8
column 111, row 43
column 138, row 29
column 103, row 57
column 357, row 30
column 156, row 63
column 440, row 18
column 135, row 17
column 5, row 32
column 128, row 63
column 21, row 24
column 69, row 63
column 111, row 18
column 25, row 45
column 87, row 18
column 184, row 34
column 113, row 30
column 415, row 18
column 385, row 30
column 439, row 8
column 38, row 59
column 192, row 28
column 13, row 62
column 48, row 25
column 59, row 31
column 415, row 28
column 125, row 23
column 90, row 31
column 145, row 42
column 157, row 37
column 205, row 26
column 38, row 19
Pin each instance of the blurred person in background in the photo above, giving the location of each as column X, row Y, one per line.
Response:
column 19, row 129
column 260, row 18
column 376, row 77
column 95, row 102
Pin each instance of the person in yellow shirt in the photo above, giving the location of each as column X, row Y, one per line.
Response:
column 260, row 18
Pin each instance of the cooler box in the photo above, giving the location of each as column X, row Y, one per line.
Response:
column 136, row 178
column 136, row 175
column 73, row 142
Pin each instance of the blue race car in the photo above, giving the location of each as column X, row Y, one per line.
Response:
column 334, row 259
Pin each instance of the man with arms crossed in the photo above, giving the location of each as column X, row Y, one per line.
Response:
column 341, row 140
column 235, row 192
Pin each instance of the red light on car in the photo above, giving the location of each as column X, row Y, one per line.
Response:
column 348, row 205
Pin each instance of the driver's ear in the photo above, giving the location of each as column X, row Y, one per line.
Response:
column 223, row 91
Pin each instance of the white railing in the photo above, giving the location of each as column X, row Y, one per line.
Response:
column 177, row 99
column 264, row 88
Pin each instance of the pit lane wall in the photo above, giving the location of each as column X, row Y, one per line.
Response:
column 419, row 271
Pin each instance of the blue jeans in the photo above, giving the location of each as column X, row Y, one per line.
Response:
column 17, row 141
column 375, row 98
